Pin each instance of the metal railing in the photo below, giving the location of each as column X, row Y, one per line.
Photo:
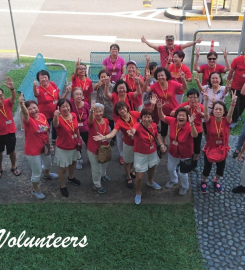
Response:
column 210, row 31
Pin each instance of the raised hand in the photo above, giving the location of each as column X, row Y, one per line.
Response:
column 228, row 83
column 78, row 62
column 123, row 77
column 153, row 99
column 198, row 51
column 68, row 88
column 147, row 58
column 225, row 53
column 205, row 95
column 57, row 112
column 199, row 40
column 196, row 78
column 192, row 118
column 107, row 80
column 233, row 97
column 98, row 137
column 187, row 107
column 143, row 39
column 35, row 83
column 182, row 75
column 92, row 106
column 21, row 98
column 137, row 72
column 147, row 74
column 198, row 109
column 159, row 104
column 9, row 84
column 137, row 79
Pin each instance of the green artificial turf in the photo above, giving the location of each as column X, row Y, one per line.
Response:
column 119, row 236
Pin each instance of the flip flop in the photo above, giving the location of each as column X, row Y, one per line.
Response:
column 130, row 185
column 1, row 173
column 15, row 171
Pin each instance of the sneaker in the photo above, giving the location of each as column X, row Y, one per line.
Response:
column 203, row 187
column 217, row 186
column 100, row 190
column 137, row 199
column 51, row 176
column 121, row 160
column 79, row 165
column 239, row 189
column 235, row 154
column 183, row 191
column 38, row 194
column 106, row 178
column 153, row 185
column 170, row 184
column 74, row 181
column 64, row 192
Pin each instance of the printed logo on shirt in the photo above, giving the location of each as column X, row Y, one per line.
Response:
column 42, row 129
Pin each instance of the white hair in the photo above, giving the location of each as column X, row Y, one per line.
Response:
column 99, row 105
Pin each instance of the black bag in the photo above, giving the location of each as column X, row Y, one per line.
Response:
column 186, row 165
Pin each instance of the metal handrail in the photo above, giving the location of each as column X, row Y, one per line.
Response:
column 211, row 31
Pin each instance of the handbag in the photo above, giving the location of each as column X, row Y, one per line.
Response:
column 46, row 147
column 186, row 165
column 159, row 153
column 104, row 151
column 216, row 154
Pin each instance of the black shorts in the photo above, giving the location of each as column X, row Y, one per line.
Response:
column 8, row 140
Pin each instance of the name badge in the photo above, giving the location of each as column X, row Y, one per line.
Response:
column 80, row 124
column 243, row 75
column 114, row 73
column 166, row 102
column 151, row 147
column 55, row 101
column 219, row 142
column 54, row 90
column 74, row 136
column 175, row 143
column 104, row 141
column 8, row 122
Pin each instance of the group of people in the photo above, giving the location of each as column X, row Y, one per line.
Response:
column 137, row 112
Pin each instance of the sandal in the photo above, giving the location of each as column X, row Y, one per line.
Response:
column 15, row 171
column 133, row 174
column 1, row 173
column 130, row 185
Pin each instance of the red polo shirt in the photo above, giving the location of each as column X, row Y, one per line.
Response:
column 6, row 118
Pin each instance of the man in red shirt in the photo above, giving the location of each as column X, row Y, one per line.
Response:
column 7, row 127
column 238, row 72
column 169, row 48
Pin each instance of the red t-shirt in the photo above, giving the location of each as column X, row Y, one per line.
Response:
column 67, row 139
column 184, row 139
column 238, row 64
column 206, row 71
column 36, row 134
column 86, row 86
column 173, row 89
column 164, row 53
column 129, row 100
column 132, row 86
column 47, row 99
column 176, row 70
column 124, row 126
column 144, row 143
column 82, row 115
column 7, row 123
column 212, row 134
column 198, row 119
column 92, row 145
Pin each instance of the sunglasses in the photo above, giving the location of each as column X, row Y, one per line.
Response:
column 212, row 59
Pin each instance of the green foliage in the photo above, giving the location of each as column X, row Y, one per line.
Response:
column 121, row 236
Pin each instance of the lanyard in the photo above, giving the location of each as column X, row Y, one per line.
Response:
column 84, row 84
column 79, row 115
column 44, row 123
column 103, row 132
column 192, row 111
column 4, row 112
column 165, row 92
column 213, row 96
column 130, row 85
column 176, row 72
column 70, row 126
column 212, row 71
column 218, row 130
column 51, row 94
column 128, row 123
column 177, row 131
column 149, row 136
column 113, row 67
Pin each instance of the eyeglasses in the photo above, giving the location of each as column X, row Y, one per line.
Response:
column 82, row 68
column 212, row 59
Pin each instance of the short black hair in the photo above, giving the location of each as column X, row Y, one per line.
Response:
column 147, row 111
column 160, row 69
column 212, row 53
column 152, row 65
column 120, row 81
column 222, row 104
column 29, row 102
column 181, row 54
column 43, row 72
column 62, row 101
column 119, row 105
column 115, row 45
column 209, row 78
column 104, row 71
column 192, row 91
column 182, row 109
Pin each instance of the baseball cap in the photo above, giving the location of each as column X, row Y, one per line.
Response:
column 132, row 62
column 170, row 37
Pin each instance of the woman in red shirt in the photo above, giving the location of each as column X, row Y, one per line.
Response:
column 68, row 137
column 96, row 123
column 79, row 79
column 182, row 132
column 218, row 125
column 166, row 90
column 145, row 150
column 81, row 109
column 124, row 123
column 36, row 134
column 121, row 92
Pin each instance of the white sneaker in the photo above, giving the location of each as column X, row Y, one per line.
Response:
column 170, row 184
column 183, row 191
column 79, row 165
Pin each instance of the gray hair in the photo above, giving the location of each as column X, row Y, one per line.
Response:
column 99, row 105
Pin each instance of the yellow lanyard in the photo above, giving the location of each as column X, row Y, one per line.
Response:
column 70, row 126
column 131, row 119
column 213, row 96
column 103, row 132
column 176, row 72
column 212, row 71
column 84, row 84
column 79, row 115
column 218, row 130
column 130, row 85
column 51, row 94
column 149, row 136
column 177, row 131
column 113, row 67
column 4, row 112
column 164, row 92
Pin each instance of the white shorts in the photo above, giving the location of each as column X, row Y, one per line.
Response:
column 142, row 162
column 64, row 158
column 128, row 153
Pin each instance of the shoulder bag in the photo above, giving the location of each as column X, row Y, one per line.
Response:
column 104, row 151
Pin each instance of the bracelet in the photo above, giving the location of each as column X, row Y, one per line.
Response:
column 11, row 89
column 105, row 137
column 233, row 104
column 192, row 125
column 194, row 42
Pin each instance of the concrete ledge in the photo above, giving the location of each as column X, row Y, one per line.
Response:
column 196, row 15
